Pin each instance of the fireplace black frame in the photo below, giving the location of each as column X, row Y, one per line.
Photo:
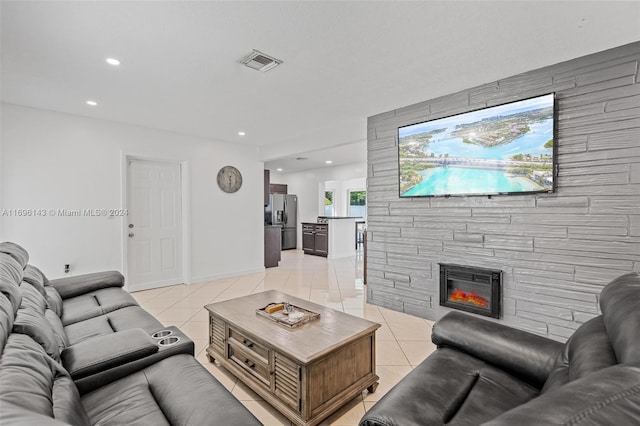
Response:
column 476, row 276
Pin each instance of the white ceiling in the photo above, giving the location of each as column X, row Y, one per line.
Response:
column 343, row 61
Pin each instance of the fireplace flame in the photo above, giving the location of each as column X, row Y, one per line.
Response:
column 471, row 298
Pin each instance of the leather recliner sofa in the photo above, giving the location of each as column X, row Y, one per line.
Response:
column 486, row 373
column 80, row 351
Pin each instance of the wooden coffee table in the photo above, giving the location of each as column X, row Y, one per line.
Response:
column 307, row 372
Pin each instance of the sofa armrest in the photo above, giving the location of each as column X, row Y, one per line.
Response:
column 184, row 345
column 610, row 396
column 522, row 354
column 81, row 284
column 95, row 355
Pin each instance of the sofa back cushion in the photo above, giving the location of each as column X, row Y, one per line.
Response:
column 35, row 277
column 6, row 320
column 11, row 274
column 30, row 379
column 609, row 339
column 58, row 329
column 10, row 297
column 40, row 282
column 620, row 302
column 54, row 301
column 15, row 251
column 587, row 350
column 32, row 321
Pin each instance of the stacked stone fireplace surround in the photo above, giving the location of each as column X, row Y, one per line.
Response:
column 556, row 251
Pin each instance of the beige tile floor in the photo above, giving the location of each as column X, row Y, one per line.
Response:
column 403, row 341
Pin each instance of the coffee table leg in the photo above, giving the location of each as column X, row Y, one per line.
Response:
column 373, row 387
column 210, row 358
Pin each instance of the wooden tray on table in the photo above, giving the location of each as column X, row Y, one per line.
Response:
column 282, row 316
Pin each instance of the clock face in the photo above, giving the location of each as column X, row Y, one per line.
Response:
column 229, row 179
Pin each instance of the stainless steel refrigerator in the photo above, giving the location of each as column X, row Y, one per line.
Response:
column 283, row 211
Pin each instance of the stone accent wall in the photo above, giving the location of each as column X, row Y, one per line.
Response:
column 557, row 250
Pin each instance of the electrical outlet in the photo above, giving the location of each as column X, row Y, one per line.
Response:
column 67, row 268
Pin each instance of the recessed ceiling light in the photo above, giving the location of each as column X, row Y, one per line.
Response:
column 328, row 161
column 113, row 61
column 279, row 169
column 241, row 133
column 92, row 103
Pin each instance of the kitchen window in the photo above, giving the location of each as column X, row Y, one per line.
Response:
column 328, row 203
column 358, row 203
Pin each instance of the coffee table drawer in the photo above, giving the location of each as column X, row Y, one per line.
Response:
column 250, row 345
column 257, row 366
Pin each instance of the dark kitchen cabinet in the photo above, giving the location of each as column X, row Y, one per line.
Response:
column 278, row 188
column 315, row 238
column 308, row 238
column 267, row 182
column 322, row 240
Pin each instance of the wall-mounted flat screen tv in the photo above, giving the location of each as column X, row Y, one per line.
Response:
column 505, row 149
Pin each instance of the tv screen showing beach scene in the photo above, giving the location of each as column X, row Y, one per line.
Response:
column 505, row 149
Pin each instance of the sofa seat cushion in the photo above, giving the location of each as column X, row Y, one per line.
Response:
column 94, row 304
column 453, row 388
column 121, row 319
column 176, row 390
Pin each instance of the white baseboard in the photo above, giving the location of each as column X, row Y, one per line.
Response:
column 153, row 284
column 206, row 278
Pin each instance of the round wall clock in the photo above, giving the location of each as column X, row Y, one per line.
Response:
column 229, row 179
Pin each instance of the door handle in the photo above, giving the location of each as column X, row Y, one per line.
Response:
column 284, row 213
column 131, row 234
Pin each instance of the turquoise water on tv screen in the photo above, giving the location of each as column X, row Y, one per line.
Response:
column 460, row 180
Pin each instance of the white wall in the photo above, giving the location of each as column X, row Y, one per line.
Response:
column 309, row 187
column 51, row 160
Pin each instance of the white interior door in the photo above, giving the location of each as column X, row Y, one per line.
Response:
column 155, row 224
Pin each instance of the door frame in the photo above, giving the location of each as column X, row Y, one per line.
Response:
column 185, row 185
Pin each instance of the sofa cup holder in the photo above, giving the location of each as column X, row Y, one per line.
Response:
column 169, row 341
column 161, row 334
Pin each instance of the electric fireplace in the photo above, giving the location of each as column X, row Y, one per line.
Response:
column 471, row 289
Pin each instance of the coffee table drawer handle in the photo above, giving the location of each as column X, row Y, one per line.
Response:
column 248, row 361
column 247, row 343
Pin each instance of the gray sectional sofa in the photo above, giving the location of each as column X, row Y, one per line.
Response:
column 486, row 373
column 81, row 351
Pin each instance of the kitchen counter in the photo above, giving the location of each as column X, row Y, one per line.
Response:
column 326, row 219
column 339, row 217
column 340, row 234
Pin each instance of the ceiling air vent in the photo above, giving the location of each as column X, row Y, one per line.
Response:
column 259, row 61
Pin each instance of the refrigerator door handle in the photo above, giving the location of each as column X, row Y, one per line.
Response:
column 284, row 214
